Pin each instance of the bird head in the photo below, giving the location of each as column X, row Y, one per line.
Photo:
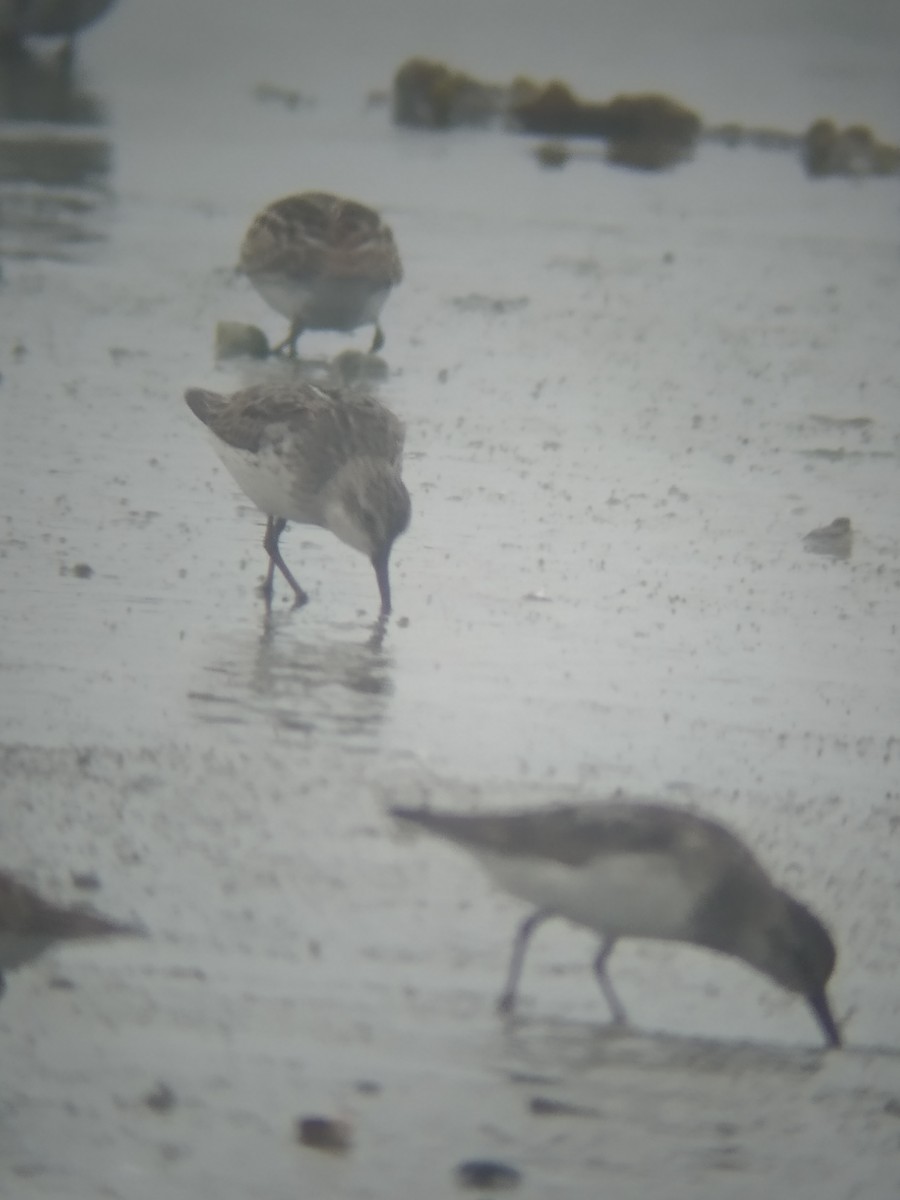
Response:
column 798, row 953
column 368, row 507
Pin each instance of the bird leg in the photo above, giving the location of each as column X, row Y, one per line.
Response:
column 268, row 583
column 275, row 527
column 615, row 1006
column 507, row 1001
column 290, row 342
column 377, row 340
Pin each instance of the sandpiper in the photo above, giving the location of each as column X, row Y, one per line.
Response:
column 29, row 924
column 636, row 868
column 316, row 456
column 323, row 262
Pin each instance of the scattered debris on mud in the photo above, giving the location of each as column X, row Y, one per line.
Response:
column 834, row 540
column 289, row 98
column 325, row 1133
column 854, row 151
column 646, row 130
column 80, row 570
column 431, row 95
column 161, row 1098
column 546, row 1106
column 487, row 1175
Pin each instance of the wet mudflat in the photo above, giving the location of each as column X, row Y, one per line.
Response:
column 629, row 397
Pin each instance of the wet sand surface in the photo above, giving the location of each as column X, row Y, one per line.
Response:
column 629, row 397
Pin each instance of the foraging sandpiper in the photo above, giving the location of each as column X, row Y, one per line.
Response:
column 635, row 868
column 323, row 262
column 318, row 457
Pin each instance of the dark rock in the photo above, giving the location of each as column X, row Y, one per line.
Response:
column 486, row 1174
column 161, row 1098
column 324, row 1133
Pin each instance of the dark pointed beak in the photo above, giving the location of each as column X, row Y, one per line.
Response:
column 818, row 1002
column 380, row 563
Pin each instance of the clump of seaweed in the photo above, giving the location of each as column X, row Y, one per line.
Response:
column 647, row 117
column 853, row 151
column 553, row 109
column 552, row 154
column 649, row 131
column 431, row 95
column 646, row 130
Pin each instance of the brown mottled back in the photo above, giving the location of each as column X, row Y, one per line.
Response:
column 335, row 426
column 315, row 235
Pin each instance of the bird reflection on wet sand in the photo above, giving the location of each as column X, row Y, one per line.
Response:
column 31, row 925
column 337, row 689
column 54, row 161
column 40, row 87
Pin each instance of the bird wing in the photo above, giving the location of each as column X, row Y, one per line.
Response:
column 575, row 834
column 327, row 428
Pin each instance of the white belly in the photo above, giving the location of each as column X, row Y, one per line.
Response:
column 628, row 895
column 270, row 479
column 343, row 304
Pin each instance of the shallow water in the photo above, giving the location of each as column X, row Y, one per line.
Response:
column 628, row 399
